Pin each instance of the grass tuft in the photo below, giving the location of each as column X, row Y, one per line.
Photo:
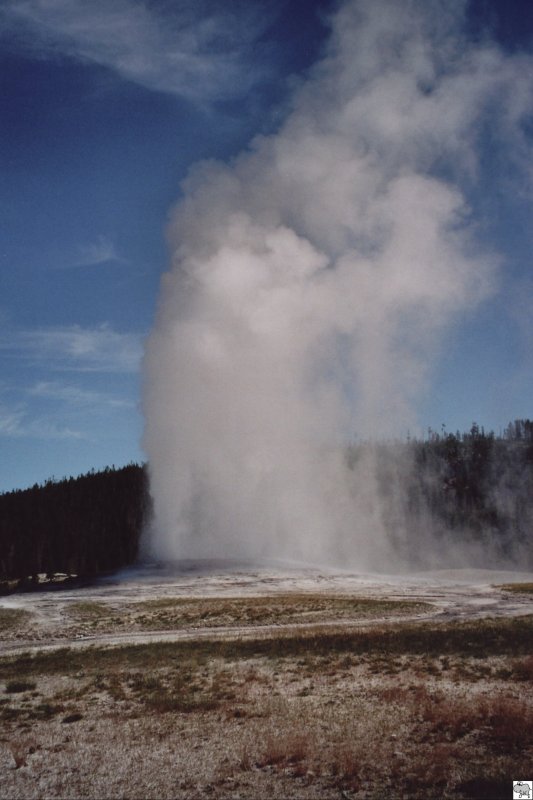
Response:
column 520, row 588
column 16, row 686
column 11, row 618
column 88, row 610
column 75, row 717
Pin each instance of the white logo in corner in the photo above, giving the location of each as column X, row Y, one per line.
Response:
column 523, row 789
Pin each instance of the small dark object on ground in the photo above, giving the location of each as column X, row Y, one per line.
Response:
column 72, row 718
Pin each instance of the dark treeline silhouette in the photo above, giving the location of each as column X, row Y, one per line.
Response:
column 81, row 526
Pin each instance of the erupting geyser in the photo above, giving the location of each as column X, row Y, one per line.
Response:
column 310, row 280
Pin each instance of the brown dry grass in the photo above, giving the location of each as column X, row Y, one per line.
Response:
column 521, row 588
column 13, row 618
column 171, row 613
column 406, row 711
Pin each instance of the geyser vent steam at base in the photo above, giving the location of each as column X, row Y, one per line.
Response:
column 310, row 281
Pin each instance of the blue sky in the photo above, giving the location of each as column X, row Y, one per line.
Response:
column 106, row 106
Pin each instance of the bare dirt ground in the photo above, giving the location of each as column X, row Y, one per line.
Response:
column 216, row 680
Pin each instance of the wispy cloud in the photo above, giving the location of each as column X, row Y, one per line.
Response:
column 101, row 251
column 99, row 349
column 58, row 410
column 10, row 420
column 197, row 50
column 17, row 422
column 77, row 396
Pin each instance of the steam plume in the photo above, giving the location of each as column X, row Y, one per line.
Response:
column 310, row 281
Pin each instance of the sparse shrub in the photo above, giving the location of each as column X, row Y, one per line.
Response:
column 484, row 786
column 245, row 762
column 45, row 711
column 12, row 618
column 75, row 717
column 518, row 588
column 88, row 610
column 254, row 675
column 453, row 718
column 510, row 723
column 284, row 747
column 20, row 750
column 347, row 762
column 139, row 682
column 179, row 700
column 222, row 685
column 523, row 669
column 8, row 713
column 16, row 686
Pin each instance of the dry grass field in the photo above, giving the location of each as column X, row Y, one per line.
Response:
column 396, row 709
column 172, row 613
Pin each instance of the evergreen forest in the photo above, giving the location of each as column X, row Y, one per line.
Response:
column 454, row 500
column 81, row 527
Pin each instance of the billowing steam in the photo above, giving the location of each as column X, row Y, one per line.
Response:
column 309, row 284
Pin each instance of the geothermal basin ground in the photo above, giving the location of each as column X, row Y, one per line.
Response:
column 232, row 680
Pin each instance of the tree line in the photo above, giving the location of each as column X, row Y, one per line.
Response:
column 82, row 526
column 458, row 498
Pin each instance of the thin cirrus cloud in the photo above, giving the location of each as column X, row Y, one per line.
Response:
column 73, row 348
column 17, row 422
column 11, row 420
column 196, row 51
column 101, row 251
column 77, row 396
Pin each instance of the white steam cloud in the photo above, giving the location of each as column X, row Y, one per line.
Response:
column 310, row 281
